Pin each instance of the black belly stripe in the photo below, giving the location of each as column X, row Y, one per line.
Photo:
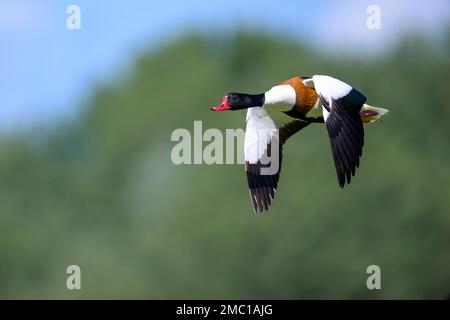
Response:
column 298, row 115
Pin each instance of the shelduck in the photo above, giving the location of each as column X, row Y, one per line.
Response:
column 288, row 107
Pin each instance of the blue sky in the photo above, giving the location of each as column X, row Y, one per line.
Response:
column 46, row 70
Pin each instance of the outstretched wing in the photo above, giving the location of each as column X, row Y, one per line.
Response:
column 264, row 139
column 341, row 110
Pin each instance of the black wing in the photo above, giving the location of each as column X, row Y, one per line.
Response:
column 262, row 187
column 346, row 132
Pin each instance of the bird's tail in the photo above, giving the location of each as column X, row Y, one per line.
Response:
column 372, row 114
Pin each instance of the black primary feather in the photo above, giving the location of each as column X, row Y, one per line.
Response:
column 346, row 132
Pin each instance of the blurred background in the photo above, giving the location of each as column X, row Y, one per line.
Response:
column 86, row 176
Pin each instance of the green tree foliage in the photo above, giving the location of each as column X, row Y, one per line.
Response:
column 101, row 192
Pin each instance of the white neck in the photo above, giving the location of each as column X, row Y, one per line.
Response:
column 283, row 95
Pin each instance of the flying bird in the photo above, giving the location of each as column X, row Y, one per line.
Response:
column 288, row 107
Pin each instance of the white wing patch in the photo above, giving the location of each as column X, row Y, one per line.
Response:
column 258, row 134
column 329, row 87
column 261, row 125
